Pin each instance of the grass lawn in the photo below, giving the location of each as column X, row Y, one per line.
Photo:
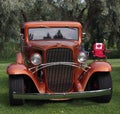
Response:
column 66, row 107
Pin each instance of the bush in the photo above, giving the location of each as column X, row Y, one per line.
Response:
column 8, row 50
column 114, row 54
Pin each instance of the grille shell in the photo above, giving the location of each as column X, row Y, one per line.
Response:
column 59, row 77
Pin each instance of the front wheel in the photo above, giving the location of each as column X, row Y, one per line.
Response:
column 16, row 84
column 101, row 80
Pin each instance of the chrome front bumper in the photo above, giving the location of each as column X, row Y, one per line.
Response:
column 71, row 95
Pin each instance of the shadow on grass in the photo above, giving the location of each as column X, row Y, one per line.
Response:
column 72, row 102
column 4, row 99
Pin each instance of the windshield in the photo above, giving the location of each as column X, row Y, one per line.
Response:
column 53, row 33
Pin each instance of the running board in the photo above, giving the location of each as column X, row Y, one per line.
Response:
column 70, row 95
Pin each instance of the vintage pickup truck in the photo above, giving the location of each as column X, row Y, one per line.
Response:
column 53, row 66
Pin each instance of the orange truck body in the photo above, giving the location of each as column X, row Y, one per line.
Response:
column 55, row 75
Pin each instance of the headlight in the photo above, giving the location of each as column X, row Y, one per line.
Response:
column 82, row 57
column 36, row 59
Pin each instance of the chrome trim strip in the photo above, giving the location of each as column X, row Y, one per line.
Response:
column 41, row 66
column 71, row 95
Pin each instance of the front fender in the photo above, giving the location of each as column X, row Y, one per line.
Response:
column 100, row 66
column 21, row 69
column 97, row 66
column 17, row 69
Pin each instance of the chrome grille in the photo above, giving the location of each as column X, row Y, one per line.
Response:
column 59, row 77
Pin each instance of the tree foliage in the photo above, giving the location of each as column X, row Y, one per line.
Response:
column 100, row 18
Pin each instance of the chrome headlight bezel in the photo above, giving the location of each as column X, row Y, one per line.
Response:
column 82, row 57
column 36, row 59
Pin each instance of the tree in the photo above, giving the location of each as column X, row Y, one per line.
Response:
column 103, row 21
column 10, row 17
column 100, row 18
column 113, row 22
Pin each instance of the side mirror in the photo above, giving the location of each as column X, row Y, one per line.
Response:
column 83, row 34
column 22, row 33
column 21, row 36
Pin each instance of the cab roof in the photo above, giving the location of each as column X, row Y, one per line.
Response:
column 52, row 24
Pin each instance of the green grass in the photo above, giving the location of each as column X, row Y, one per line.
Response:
column 66, row 107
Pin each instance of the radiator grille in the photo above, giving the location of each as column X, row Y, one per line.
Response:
column 59, row 77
